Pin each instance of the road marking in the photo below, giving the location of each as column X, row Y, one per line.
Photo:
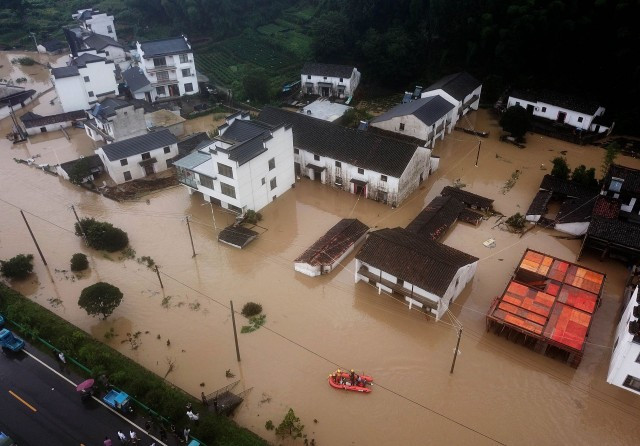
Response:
column 97, row 399
column 23, row 401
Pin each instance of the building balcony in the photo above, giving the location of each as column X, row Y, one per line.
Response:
column 396, row 288
column 169, row 81
column 156, row 68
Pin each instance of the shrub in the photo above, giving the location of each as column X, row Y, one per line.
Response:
column 79, row 171
column 253, row 217
column 102, row 235
column 18, row 267
column 269, row 425
column 251, row 309
column 515, row 120
column 100, row 299
column 79, row 262
column 516, row 221
column 560, row 168
column 585, row 177
column 24, row 61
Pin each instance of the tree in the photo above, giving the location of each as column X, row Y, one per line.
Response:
column 79, row 262
column 516, row 222
column 515, row 120
column 290, row 426
column 102, row 235
column 100, row 299
column 585, row 177
column 612, row 151
column 80, row 170
column 560, row 168
column 18, row 267
column 256, row 86
column 251, row 309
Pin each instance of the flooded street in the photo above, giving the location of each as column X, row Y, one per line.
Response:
column 500, row 392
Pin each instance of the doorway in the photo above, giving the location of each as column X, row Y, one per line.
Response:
column 174, row 90
column 147, row 96
column 530, row 108
column 148, row 170
column 325, row 92
column 359, row 189
column 561, row 117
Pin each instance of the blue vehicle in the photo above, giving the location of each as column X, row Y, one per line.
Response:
column 9, row 341
column 120, row 401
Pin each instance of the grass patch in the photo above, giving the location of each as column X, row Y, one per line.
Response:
column 255, row 322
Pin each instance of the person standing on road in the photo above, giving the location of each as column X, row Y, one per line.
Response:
column 62, row 358
column 107, row 441
column 134, row 437
column 123, row 437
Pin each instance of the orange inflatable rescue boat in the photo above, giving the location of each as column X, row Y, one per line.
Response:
column 342, row 380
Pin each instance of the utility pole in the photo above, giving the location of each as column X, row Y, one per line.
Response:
column 33, row 237
column 235, row 333
column 191, row 237
column 84, row 236
column 158, row 273
column 478, row 156
column 455, row 353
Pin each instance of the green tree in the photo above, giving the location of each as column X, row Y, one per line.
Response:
column 80, row 171
column 79, row 262
column 102, row 235
column 256, row 86
column 290, row 426
column 612, row 151
column 329, row 37
column 515, row 120
column 585, row 177
column 560, row 168
column 18, row 267
column 516, row 222
column 100, row 299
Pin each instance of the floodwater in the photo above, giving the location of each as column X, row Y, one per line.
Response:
column 500, row 392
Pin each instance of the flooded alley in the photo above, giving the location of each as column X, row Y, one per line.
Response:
column 314, row 325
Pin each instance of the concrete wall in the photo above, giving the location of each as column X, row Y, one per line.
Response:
column 548, row 111
column 116, row 170
column 48, row 128
column 71, row 93
column 102, row 80
column 115, row 54
column 412, row 127
column 626, row 352
column 127, row 123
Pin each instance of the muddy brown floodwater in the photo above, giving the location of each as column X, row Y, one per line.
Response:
column 500, row 391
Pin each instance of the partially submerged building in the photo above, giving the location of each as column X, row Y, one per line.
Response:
column 329, row 79
column 93, row 163
column 624, row 368
column 13, row 98
column 548, row 305
column 460, row 89
column 35, row 124
column 372, row 166
column 332, row 248
column 115, row 120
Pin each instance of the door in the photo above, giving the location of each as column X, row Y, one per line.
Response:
column 359, row 190
column 148, row 170
column 174, row 90
column 561, row 116
column 297, row 169
column 147, row 96
column 325, row 91
column 530, row 109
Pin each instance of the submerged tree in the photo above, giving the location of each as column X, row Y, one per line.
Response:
column 100, row 299
column 18, row 267
column 560, row 168
column 80, row 171
column 585, row 177
column 515, row 120
column 612, row 151
column 290, row 426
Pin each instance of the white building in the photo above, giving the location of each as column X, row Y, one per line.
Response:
column 624, row 368
column 87, row 79
column 169, row 66
column 35, row 124
column 329, row 80
column 93, row 20
column 246, row 167
column 108, row 47
column 115, row 120
column 138, row 84
column 461, row 89
column 361, row 163
column 425, row 119
column 426, row 273
column 13, row 98
column 140, row 156
column 575, row 112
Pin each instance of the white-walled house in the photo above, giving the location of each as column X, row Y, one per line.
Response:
column 13, row 98
column 140, row 156
column 246, row 167
column 329, row 79
column 425, row 119
column 138, row 85
column 461, row 89
column 426, row 273
column 170, row 67
column 115, row 120
column 361, row 163
column 87, row 79
column 110, row 48
column 624, row 368
column 35, row 124
column 576, row 112
column 93, row 20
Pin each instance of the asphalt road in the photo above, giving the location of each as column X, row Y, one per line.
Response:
column 40, row 408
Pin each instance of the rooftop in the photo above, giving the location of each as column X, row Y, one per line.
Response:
column 615, row 231
column 458, row 85
column 94, row 161
column 436, row 218
column 558, row 99
column 136, row 80
column 189, row 143
column 108, row 107
column 630, row 176
column 468, row 198
column 10, row 94
column 100, row 42
column 429, row 110
column 332, row 245
column 328, row 70
column 539, row 203
column 139, row 144
column 82, row 60
column 565, row 187
column 326, row 110
column 237, row 236
column 62, row 72
column 358, row 148
column 31, row 120
column 413, row 258
column 576, row 210
column 165, row 47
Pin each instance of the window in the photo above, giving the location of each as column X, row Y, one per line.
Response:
column 360, row 171
column 296, row 151
column 580, row 119
column 632, row 383
column 308, row 76
column 338, row 164
column 109, row 29
column 159, row 62
column 162, row 76
column 316, row 157
column 263, row 181
column 186, row 72
column 86, row 78
column 160, row 91
column 325, row 78
column 184, row 58
column 227, row 190
column 90, row 94
column 106, row 53
column 383, row 178
column 341, row 80
column 146, row 156
column 616, row 184
column 206, row 181
column 518, row 103
column 400, row 282
column 401, row 126
column 544, row 109
column 225, row 170
column 124, row 162
column 169, row 162
column 127, row 176
column 273, row 183
column 188, row 87
column 43, row 129
column 167, row 149
column 272, row 163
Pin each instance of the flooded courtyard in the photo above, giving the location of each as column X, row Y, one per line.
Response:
column 500, row 392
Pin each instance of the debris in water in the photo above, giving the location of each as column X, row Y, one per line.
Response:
column 228, row 374
column 489, row 243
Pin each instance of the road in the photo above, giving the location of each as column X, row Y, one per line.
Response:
column 38, row 407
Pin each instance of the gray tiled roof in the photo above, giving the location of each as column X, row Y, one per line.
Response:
column 437, row 217
column 31, row 120
column 242, row 130
column 244, row 152
column 329, row 70
column 334, row 243
column 413, row 258
column 189, row 143
column 53, row 45
column 108, row 107
column 576, row 210
column 99, row 42
column 139, row 144
column 468, row 198
column 85, row 58
column 163, row 47
column 135, row 79
column 428, row 110
column 558, row 99
column 458, row 85
column 615, row 231
column 62, row 72
column 564, row 187
column 362, row 149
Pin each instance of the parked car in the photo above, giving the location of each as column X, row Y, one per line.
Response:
column 9, row 341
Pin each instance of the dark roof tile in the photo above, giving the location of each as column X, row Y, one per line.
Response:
column 630, row 176
column 468, row 198
column 334, row 243
column 615, row 231
column 457, row 85
column 329, row 70
column 428, row 110
column 436, row 218
column 100, row 42
column 139, row 144
column 164, row 47
column 539, row 203
column 576, row 210
column 31, row 120
column 62, row 72
column 135, row 79
column 565, row 187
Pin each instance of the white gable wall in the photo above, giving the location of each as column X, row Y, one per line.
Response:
column 418, row 167
column 71, row 93
column 548, row 111
column 174, row 69
column 102, row 24
column 350, row 83
column 626, row 353
column 116, row 170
